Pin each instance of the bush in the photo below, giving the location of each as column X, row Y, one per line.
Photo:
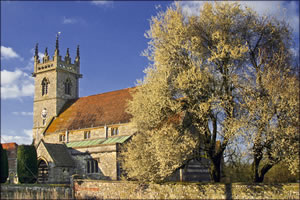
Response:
column 3, row 165
column 27, row 164
column 280, row 173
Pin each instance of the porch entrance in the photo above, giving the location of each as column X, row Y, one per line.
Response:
column 43, row 172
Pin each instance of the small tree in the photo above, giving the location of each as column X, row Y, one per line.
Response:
column 280, row 173
column 27, row 164
column 272, row 116
column 3, row 165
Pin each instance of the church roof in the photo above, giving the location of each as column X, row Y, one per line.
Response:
column 59, row 154
column 93, row 111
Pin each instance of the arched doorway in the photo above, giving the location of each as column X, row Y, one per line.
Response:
column 43, row 171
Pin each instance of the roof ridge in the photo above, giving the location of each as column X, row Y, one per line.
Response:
column 107, row 92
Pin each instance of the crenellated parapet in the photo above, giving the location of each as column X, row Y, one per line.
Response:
column 56, row 63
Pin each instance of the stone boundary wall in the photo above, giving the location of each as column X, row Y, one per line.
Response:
column 32, row 191
column 96, row 189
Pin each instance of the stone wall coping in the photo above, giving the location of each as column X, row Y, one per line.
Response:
column 35, row 185
column 187, row 183
column 103, row 189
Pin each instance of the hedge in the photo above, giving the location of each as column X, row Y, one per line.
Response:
column 27, row 164
column 3, row 165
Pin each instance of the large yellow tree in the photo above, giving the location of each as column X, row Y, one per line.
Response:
column 192, row 94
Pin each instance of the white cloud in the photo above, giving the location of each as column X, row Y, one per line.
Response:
column 286, row 10
column 24, row 138
column 23, row 113
column 8, row 77
column 30, row 63
column 9, row 138
column 282, row 10
column 16, row 84
column 190, row 8
column 41, row 55
column 28, row 132
column 102, row 3
column 9, row 53
column 27, row 89
column 69, row 21
column 294, row 51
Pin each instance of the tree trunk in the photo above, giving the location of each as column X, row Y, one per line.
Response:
column 255, row 169
column 259, row 175
column 215, row 172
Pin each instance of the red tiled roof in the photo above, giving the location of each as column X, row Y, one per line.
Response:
column 9, row 146
column 92, row 111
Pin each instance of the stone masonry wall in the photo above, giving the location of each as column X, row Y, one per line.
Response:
column 96, row 133
column 35, row 192
column 89, row 189
column 104, row 155
column 56, row 72
column 92, row 189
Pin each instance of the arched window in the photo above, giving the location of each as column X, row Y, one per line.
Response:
column 68, row 86
column 45, row 84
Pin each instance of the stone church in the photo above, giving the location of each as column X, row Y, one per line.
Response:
column 82, row 135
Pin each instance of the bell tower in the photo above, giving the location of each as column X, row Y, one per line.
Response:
column 56, row 82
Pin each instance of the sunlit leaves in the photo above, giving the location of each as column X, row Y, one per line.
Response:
column 209, row 79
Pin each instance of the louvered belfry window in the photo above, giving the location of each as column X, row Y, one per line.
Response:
column 45, row 84
column 68, row 86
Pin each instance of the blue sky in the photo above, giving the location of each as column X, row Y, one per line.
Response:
column 111, row 39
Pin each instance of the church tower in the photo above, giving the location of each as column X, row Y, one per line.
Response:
column 56, row 82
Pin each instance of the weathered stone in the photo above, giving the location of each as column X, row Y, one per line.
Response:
column 89, row 189
column 36, row 192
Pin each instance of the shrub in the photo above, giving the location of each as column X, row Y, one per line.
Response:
column 27, row 164
column 3, row 165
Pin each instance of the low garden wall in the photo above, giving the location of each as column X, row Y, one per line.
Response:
column 93, row 189
column 35, row 191
column 96, row 189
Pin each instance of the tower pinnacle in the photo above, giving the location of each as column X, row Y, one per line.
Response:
column 68, row 54
column 77, row 54
column 67, row 57
column 57, row 44
column 36, row 54
column 46, row 56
